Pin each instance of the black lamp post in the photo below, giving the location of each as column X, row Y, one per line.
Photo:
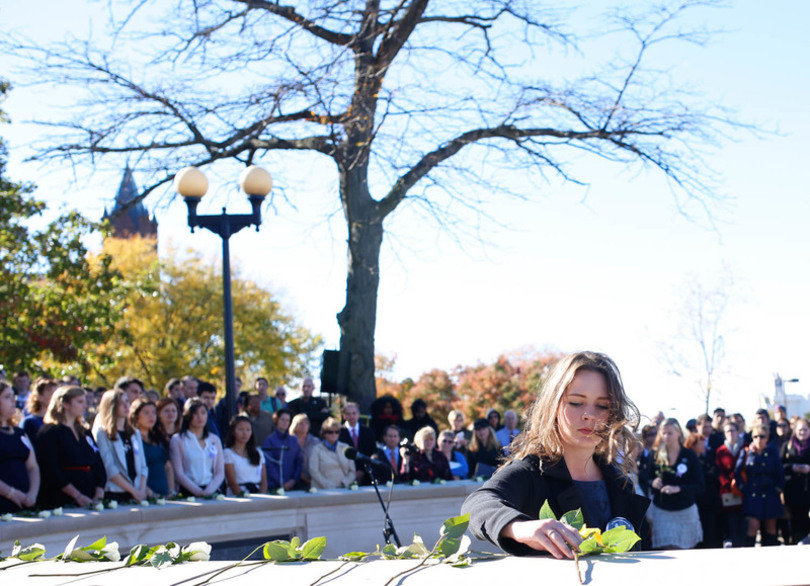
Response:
column 192, row 184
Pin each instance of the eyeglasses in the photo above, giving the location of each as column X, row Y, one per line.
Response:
column 332, row 432
column 447, row 441
column 760, row 437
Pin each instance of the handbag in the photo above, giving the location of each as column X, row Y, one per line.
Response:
column 730, row 499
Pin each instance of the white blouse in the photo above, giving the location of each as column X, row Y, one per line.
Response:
column 245, row 471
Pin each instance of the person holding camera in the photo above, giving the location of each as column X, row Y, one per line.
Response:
column 426, row 463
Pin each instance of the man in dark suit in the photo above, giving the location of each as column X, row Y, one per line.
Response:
column 358, row 436
column 389, row 454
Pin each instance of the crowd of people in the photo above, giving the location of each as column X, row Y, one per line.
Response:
column 715, row 483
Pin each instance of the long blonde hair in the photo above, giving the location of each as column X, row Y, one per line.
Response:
column 56, row 408
column 107, row 408
column 661, row 456
column 542, row 435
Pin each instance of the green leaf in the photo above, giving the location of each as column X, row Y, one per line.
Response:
column 355, row 556
column 590, row 546
column 295, row 542
column 137, row 554
column 161, row 558
column 389, row 551
column 276, row 551
column 449, row 546
column 574, row 519
column 546, row 512
column 31, row 553
column 96, row 545
column 462, row 563
column 454, row 527
column 620, row 539
column 313, row 548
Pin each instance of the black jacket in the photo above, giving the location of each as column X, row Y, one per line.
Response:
column 366, row 442
column 518, row 490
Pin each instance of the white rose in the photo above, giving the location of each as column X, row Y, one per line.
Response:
column 144, row 503
column 280, row 492
column 415, row 483
column 7, row 517
column 220, row 497
column 110, row 551
column 58, row 512
column 112, row 505
column 98, row 506
column 44, row 514
column 191, row 499
column 389, row 484
column 160, row 501
column 200, row 551
column 312, row 490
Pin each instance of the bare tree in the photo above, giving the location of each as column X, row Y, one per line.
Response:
column 696, row 350
column 411, row 100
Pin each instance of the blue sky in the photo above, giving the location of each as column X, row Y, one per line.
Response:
column 599, row 267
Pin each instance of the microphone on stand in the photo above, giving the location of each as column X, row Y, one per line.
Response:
column 352, row 454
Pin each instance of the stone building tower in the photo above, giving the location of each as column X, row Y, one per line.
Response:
column 130, row 219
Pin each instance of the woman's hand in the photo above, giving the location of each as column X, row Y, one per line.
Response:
column 549, row 535
column 15, row 496
column 30, row 499
column 670, row 489
column 657, row 484
column 82, row 500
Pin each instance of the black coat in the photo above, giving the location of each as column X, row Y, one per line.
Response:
column 518, row 490
column 797, row 486
column 379, row 454
column 366, row 441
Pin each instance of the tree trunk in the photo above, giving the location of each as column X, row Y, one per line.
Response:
column 358, row 319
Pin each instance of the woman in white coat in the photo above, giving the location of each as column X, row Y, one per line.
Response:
column 328, row 465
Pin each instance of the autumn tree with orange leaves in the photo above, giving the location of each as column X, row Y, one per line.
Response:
column 511, row 382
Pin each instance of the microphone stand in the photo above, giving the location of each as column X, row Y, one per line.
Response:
column 388, row 531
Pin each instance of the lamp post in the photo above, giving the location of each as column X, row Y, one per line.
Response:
column 192, row 184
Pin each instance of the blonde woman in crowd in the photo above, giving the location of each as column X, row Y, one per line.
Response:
column 69, row 463
column 307, row 442
column 121, row 449
column 328, row 465
column 677, row 478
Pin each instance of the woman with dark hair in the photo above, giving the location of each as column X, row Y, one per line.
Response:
column 484, row 451
column 69, row 462
column 760, row 477
column 677, row 479
column 196, row 455
column 571, row 455
column 419, row 419
column 121, row 449
column 427, row 463
column 385, row 411
column 796, row 460
column 143, row 417
column 37, row 405
column 282, row 453
column 244, row 463
column 494, row 418
column 19, row 473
